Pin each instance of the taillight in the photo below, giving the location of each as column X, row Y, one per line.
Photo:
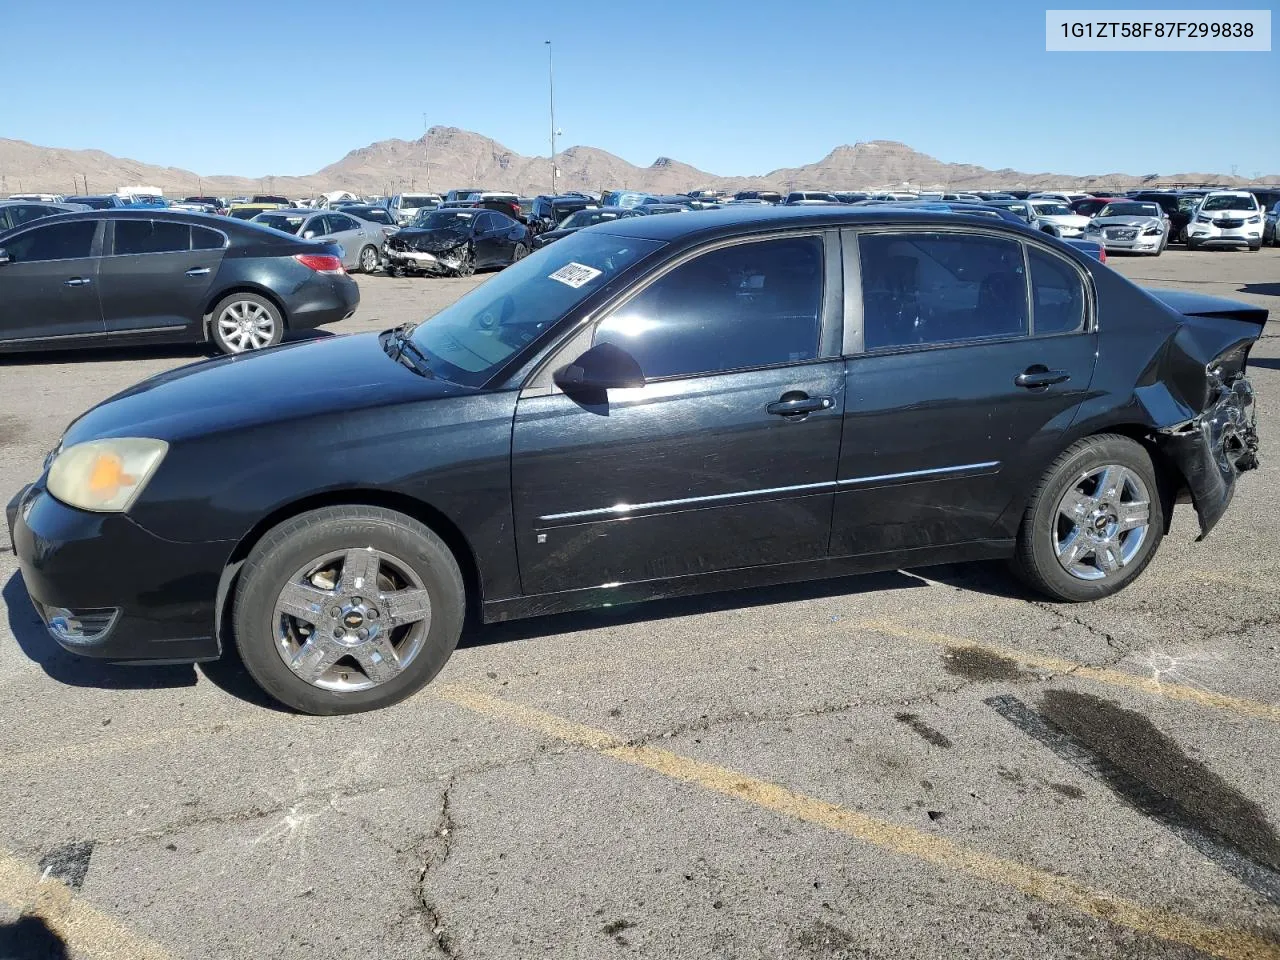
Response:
column 1102, row 254
column 320, row 262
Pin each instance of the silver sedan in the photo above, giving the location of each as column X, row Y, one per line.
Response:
column 1130, row 226
column 361, row 241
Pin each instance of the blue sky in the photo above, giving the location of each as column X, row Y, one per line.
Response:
column 240, row 87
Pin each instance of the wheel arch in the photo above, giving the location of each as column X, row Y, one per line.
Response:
column 419, row 510
column 242, row 287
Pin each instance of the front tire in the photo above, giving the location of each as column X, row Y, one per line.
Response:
column 245, row 321
column 467, row 266
column 1094, row 522
column 346, row 609
column 369, row 259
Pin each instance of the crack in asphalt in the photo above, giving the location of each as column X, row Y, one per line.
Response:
column 1054, row 611
column 436, row 853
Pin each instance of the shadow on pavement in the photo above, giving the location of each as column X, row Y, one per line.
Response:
column 653, row 610
column 31, row 938
column 1261, row 289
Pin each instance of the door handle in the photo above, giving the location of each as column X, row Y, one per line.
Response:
column 198, row 272
column 1040, row 376
column 799, row 405
column 77, row 282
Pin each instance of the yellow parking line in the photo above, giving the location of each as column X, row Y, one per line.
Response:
column 1254, row 709
column 908, row 841
column 86, row 930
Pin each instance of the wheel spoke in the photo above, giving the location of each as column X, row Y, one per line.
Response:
column 1111, row 483
column 1108, row 556
column 1075, row 505
column 1132, row 515
column 1073, row 548
column 304, row 602
column 377, row 657
column 406, row 606
column 359, row 571
column 316, row 656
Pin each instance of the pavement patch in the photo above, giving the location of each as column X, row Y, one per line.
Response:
column 922, row 845
column 1148, row 771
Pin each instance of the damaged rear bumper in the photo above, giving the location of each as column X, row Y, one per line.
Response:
column 1215, row 448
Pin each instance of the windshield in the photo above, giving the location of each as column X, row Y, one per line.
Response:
column 1230, row 203
column 456, row 221
column 1051, row 209
column 280, row 221
column 469, row 340
column 417, row 203
column 1129, row 210
column 585, row 218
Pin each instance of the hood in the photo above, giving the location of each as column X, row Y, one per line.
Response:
column 1064, row 219
column 299, row 380
column 428, row 241
column 1202, row 305
column 550, row 236
column 1126, row 221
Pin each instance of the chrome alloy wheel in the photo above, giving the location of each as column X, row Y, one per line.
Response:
column 352, row 620
column 246, row 325
column 1101, row 522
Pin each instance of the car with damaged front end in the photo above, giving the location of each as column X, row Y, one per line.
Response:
column 456, row 242
column 650, row 407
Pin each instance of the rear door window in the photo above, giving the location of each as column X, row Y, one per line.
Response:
column 1059, row 293
column 929, row 288
column 204, row 239
column 56, row 241
column 151, row 236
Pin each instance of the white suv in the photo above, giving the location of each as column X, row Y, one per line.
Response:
column 1229, row 218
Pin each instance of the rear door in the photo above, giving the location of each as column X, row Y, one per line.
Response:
column 959, row 385
column 154, row 285
column 346, row 231
column 725, row 458
column 49, row 287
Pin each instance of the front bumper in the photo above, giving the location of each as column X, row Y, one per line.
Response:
column 1209, row 236
column 1138, row 244
column 154, row 599
column 445, row 262
column 1214, row 449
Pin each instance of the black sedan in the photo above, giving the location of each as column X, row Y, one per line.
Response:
column 456, row 242
column 657, row 406
column 585, row 218
column 116, row 277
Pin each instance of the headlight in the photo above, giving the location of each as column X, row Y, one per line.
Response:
column 105, row 476
column 1254, row 220
column 1153, row 231
column 1203, row 220
column 1091, row 226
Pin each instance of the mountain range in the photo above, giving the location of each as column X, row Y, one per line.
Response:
column 448, row 157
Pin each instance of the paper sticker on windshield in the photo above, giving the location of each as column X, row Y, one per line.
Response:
column 575, row 274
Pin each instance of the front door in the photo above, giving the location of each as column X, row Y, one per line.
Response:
column 155, row 286
column 49, row 287
column 958, row 393
column 725, row 458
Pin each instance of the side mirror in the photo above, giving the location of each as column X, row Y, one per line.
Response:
column 4, row 256
column 603, row 367
column 308, row 235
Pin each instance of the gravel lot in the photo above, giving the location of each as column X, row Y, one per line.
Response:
column 917, row 764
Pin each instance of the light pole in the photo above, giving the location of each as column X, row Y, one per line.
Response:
column 551, row 86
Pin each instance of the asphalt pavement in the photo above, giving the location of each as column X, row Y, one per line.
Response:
column 919, row 764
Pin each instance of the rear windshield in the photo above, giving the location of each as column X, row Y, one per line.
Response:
column 415, row 203
column 1048, row 208
column 1230, row 203
column 280, row 221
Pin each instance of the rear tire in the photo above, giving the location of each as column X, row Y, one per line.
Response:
column 1071, row 545
column 243, row 322
column 320, row 564
column 1254, row 248
column 520, row 252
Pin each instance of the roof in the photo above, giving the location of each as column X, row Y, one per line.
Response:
column 729, row 221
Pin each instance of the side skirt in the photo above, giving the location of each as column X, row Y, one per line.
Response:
column 587, row 598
